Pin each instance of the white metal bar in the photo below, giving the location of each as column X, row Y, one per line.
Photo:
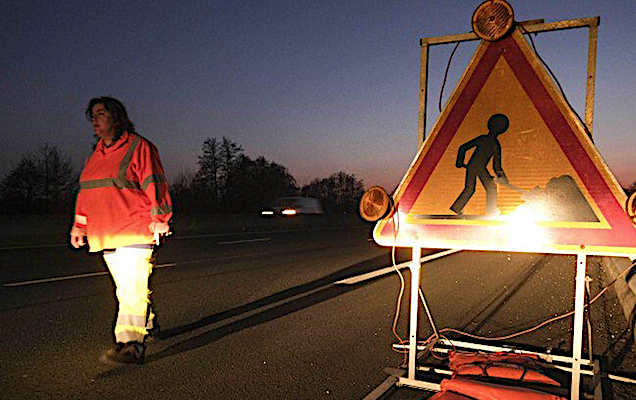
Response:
column 530, row 28
column 483, row 347
column 421, row 111
column 577, row 341
column 435, row 370
column 419, row 384
column 415, row 300
column 591, row 77
column 547, row 357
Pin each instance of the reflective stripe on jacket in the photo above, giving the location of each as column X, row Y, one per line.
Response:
column 122, row 189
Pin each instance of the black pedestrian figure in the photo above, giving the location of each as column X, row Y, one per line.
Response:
column 487, row 147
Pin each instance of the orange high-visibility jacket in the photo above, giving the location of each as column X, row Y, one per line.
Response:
column 122, row 190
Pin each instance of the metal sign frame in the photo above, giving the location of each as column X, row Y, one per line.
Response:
column 577, row 365
column 533, row 216
column 533, row 26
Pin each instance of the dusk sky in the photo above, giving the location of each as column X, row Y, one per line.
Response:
column 317, row 86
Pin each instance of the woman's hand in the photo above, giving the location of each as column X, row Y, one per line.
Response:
column 77, row 237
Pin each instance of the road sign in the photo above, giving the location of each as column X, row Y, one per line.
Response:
column 508, row 166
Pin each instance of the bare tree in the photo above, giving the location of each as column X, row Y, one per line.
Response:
column 209, row 167
column 339, row 192
column 40, row 182
column 253, row 182
column 56, row 174
column 229, row 153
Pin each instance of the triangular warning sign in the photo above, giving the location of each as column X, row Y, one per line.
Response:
column 508, row 166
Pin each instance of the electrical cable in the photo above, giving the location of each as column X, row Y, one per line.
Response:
column 441, row 92
column 396, row 221
column 588, row 320
column 428, row 312
column 569, row 313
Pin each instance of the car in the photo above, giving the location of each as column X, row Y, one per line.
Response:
column 291, row 206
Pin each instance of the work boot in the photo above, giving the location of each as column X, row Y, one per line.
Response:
column 153, row 334
column 124, row 353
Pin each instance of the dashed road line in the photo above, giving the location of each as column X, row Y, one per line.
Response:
column 245, row 241
column 69, row 277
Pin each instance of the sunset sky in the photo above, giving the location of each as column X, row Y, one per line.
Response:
column 317, row 86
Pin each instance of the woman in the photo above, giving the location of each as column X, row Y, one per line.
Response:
column 122, row 207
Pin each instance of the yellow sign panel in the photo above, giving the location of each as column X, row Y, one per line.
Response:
column 508, row 166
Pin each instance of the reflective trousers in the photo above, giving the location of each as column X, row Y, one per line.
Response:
column 130, row 268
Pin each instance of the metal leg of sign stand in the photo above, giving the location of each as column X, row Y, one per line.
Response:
column 412, row 347
column 577, row 343
column 415, row 285
column 572, row 364
column 415, row 267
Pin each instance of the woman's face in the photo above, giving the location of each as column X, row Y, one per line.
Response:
column 103, row 123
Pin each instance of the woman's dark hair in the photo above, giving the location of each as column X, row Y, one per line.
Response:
column 117, row 112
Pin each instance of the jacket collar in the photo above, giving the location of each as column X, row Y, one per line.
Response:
column 123, row 139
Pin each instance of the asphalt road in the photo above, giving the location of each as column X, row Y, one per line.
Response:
column 256, row 315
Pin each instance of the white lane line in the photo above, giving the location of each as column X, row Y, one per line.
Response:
column 69, row 277
column 165, row 265
column 59, row 278
column 32, row 246
column 64, row 278
column 373, row 274
column 245, row 241
column 38, row 246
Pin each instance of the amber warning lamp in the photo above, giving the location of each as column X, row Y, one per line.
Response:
column 631, row 210
column 493, row 19
column 376, row 204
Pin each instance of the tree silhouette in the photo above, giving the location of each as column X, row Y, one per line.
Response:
column 229, row 181
column 183, row 192
column 57, row 176
column 339, row 192
column 41, row 182
column 229, row 153
column 209, row 166
column 253, row 182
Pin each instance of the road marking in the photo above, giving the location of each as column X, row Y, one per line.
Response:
column 245, row 241
column 59, row 278
column 38, row 246
column 90, row 274
column 165, row 265
column 373, row 274
column 69, row 277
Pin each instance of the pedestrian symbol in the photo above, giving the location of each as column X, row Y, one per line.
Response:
column 487, row 147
